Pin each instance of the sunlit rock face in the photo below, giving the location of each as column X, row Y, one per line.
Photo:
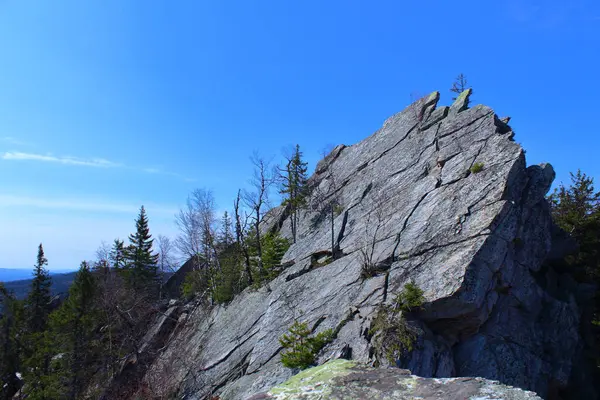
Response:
column 442, row 197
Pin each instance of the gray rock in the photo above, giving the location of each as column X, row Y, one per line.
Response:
column 347, row 380
column 474, row 242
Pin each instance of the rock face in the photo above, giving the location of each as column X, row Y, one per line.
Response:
column 440, row 196
column 345, row 380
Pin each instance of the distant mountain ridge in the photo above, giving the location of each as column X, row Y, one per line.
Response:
column 15, row 274
column 60, row 284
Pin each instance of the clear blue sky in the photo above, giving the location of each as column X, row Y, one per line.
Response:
column 107, row 105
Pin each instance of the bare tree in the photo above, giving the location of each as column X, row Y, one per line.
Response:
column 197, row 239
column 460, row 85
column 325, row 199
column 374, row 222
column 189, row 240
column 241, row 226
column 197, row 227
column 103, row 253
column 257, row 200
column 166, row 258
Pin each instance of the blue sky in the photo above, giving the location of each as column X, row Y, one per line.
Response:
column 107, row 105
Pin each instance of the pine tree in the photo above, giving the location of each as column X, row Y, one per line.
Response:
column 73, row 326
column 294, row 186
column 38, row 300
column 576, row 209
column 10, row 357
column 38, row 345
column 141, row 269
column 226, row 234
column 117, row 255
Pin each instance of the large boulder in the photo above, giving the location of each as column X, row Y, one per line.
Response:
column 439, row 196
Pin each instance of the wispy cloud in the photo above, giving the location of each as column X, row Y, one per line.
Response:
column 88, row 205
column 158, row 171
column 85, row 162
column 12, row 140
column 94, row 162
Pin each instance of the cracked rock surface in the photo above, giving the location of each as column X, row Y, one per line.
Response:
column 441, row 196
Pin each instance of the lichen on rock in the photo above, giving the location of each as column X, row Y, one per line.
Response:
column 342, row 379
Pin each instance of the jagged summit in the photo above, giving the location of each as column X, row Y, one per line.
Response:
column 439, row 196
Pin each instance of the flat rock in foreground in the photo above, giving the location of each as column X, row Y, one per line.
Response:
column 341, row 379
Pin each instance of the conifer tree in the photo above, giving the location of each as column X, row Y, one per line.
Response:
column 141, row 269
column 226, row 235
column 294, row 186
column 73, row 326
column 576, row 209
column 38, row 300
column 10, row 363
column 117, row 255
column 38, row 348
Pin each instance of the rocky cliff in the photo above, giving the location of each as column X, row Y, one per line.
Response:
column 440, row 196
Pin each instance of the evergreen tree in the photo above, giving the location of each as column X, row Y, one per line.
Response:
column 38, row 300
column 576, row 209
column 226, row 234
column 294, row 186
column 37, row 344
column 117, row 255
column 73, row 327
column 141, row 269
column 10, row 362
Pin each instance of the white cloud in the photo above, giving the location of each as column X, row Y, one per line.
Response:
column 94, row 162
column 12, row 140
column 87, row 205
column 90, row 162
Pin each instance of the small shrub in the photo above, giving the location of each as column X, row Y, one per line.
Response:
column 337, row 209
column 410, row 298
column 194, row 282
column 476, row 168
column 392, row 336
column 302, row 348
column 273, row 250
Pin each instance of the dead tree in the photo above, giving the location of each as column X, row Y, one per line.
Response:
column 257, row 201
column 241, row 226
column 326, row 200
column 460, row 85
column 375, row 219
column 197, row 237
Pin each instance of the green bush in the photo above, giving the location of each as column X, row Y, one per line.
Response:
column 273, row 249
column 302, row 348
column 410, row 298
column 392, row 336
column 194, row 282
column 476, row 168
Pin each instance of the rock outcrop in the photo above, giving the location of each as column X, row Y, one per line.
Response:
column 440, row 196
column 345, row 380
